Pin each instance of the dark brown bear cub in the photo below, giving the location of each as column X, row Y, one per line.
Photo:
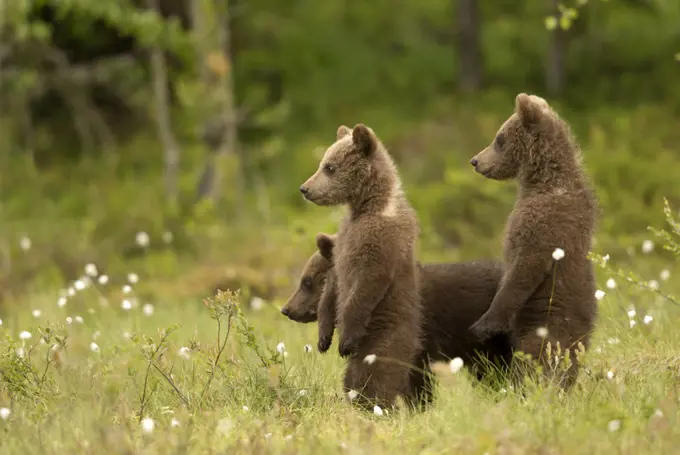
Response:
column 378, row 311
column 302, row 305
column 547, row 295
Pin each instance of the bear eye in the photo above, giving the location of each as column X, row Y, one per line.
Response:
column 307, row 283
column 500, row 140
column 329, row 168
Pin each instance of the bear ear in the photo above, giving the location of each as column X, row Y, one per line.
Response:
column 531, row 108
column 342, row 132
column 325, row 243
column 364, row 139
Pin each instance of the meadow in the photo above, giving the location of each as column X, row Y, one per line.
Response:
column 96, row 368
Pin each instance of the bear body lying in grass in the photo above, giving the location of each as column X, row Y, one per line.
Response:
column 547, row 294
column 453, row 297
column 378, row 311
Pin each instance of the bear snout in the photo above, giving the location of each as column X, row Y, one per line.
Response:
column 304, row 190
column 474, row 162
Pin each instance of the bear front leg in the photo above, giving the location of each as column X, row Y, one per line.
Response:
column 519, row 283
column 327, row 312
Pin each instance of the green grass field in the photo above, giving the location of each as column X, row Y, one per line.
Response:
column 145, row 381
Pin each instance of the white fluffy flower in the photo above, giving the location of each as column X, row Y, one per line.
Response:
column 36, row 313
column 245, row 408
column 542, row 332
column 606, row 258
column 78, row 319
column 632, row 323
column 281, row 348
column 174, row 423
column 71, row 292
column 133, row 278
column 632, row 313
column 647, row 319
column 614, row 426
column 96, row 335
column 599, row 294
column 127, row 289
column 147, row 309
column 21, row 352
column 142, row 239
column 302, row 392
column 665, row 274
column 377, row 410
column 184, row 352
column 456, row 364
column 558, row 254
column 25, row 335
column 25, row 243
column 370, row 358
column 79, row 285
column 69, row 319
column 103, row 279
column 653, row 284
column 126, row 305
column 308, row 348
column 61, row 302
column 148, row 425
column 94, row 347
column 352, row 394
column 647, row 246
column 611, row 284
column 91, row 270
column 610, row 374
column 256, row 303
column 4, row 413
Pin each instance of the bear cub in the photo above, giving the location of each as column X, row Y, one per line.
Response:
column 543, row 301
column 378, row 310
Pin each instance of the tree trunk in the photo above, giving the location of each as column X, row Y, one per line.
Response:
column 554, row 78
column 470, row 76
column 162, row 114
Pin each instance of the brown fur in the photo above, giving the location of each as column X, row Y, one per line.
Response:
column 378, row 309
column 454, row 296
column 302, row 305
column 555, row 208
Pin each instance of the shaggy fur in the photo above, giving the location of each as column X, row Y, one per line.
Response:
column 378, row 309
column 555, row 208
column 302, row 305
column 453, row 297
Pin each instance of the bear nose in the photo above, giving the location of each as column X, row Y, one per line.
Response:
column 285, row 311
column 304, row 189
column 473, row 161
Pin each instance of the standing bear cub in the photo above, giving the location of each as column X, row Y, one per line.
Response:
column 378, row 310
column 547, row 295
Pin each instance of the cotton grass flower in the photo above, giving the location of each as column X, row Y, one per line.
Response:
column 61, row 302
column 558, row 254
column 302, row 392
column 126, row 305
column 245, row 408
column 352, row 394
column 21, row 353
column 147, row 309
column 69, row 320
column 25, row 335
column 142, row 239
column 632, row 313
column 665, row 274
column 370, row 358
column 25, row 243
column 36, row 313
column 5, row 413
column 647, row 319
column 256, row 303
column 542, row 332
column 103, row 279
column 653, row 285
column 610, row 374
column 184, row 352
column 79, row 285
column 71, row 292
column 281, row 348
column 631, row 323
column 133, row 278
column 126, row 289
column 614, row 426
column 611, row 284
column 647, row 246
column 308, row 348
column 599, row 294
column 377, row 410
column 148, row 425
column 456, row 364
column 174, row 423
column 91, row 270
column 94, row 347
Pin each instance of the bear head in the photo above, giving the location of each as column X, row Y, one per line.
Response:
column 347, row 169
column 520, row 141
column 302, row 305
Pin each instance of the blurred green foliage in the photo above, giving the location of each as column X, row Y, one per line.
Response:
column 82, row 166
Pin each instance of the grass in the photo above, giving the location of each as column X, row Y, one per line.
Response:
column 214, row 378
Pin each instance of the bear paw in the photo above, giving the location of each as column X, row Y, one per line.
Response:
column 324, row 344
column 348, row 346
column 486, row 328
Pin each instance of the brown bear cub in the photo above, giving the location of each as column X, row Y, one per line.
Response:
column 302, row 305
column 378, row 311
column 547, row 295
column 453, row 297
